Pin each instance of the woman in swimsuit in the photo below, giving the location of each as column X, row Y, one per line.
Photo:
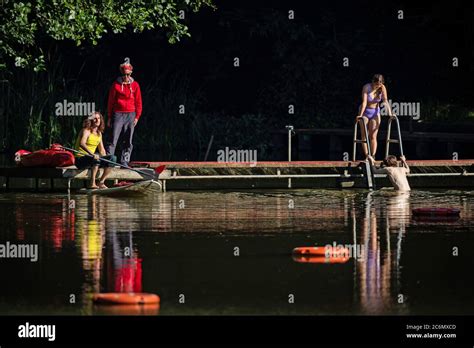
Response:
column 373, row 94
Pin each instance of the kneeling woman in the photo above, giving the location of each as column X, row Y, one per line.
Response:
column 87, row 143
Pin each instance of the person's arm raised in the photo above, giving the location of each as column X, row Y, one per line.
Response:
column 405, row 164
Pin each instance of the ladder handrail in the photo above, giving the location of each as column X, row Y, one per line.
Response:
column 359, row 141
column 389, row 131
column 368, row 169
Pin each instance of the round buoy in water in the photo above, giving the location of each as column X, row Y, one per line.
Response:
column 326, row 251
column 127, row 309
column 118, row 298
column 436, row 212
column 319, row 259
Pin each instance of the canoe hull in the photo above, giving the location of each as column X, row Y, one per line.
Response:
column 49, row 158
column 138, row 188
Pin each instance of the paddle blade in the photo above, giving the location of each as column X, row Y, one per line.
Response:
column 160, row 169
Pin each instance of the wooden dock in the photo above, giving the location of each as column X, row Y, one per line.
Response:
column 37, row 178
column 306, row 174
column 271, row 175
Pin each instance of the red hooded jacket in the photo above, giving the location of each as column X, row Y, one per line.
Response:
column 125, row 97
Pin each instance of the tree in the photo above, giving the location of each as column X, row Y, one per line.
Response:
column 24, row 25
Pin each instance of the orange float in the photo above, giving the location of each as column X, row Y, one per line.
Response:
column 320, row 259
column 325, row 251
column 128, row 309
column 130, row 298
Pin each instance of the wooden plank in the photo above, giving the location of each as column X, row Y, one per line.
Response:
column 31, row 172
column 301, row 164
column 115, row 174
column 69, row 172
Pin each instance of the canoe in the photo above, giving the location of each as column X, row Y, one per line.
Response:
column 134, row 188
column 53, row 157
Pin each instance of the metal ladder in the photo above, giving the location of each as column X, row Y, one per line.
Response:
column 389, row 140
column 368, row 169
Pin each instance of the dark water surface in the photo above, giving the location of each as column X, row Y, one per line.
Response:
column 230, row 253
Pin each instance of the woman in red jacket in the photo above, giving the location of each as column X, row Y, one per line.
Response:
column 124, row 110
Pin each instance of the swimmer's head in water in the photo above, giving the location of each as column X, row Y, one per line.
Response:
column 378, row 80
column 390, row 161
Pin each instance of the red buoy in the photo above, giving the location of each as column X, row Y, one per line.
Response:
column 325, row 251
column 128, row 309
column 320, row 259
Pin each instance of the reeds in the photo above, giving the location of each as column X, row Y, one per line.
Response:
column 29, row 119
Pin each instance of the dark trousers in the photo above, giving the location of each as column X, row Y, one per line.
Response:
column 122, row 127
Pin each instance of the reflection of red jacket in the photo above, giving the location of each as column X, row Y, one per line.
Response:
column 128, row 278
column 125, row 97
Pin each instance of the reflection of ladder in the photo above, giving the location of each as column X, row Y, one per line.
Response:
column 368, row 169
column 389, row 140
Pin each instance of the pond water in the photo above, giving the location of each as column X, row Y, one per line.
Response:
column 231, row 253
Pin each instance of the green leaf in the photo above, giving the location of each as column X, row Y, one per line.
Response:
column 21, row 27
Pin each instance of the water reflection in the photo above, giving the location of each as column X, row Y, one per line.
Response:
column 177, row 241
column 56, row 228
column 378, row 273
column 90, row 241
column 110, row 261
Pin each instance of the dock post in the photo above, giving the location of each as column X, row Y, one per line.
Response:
column 290, row 134
column 369, row 175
